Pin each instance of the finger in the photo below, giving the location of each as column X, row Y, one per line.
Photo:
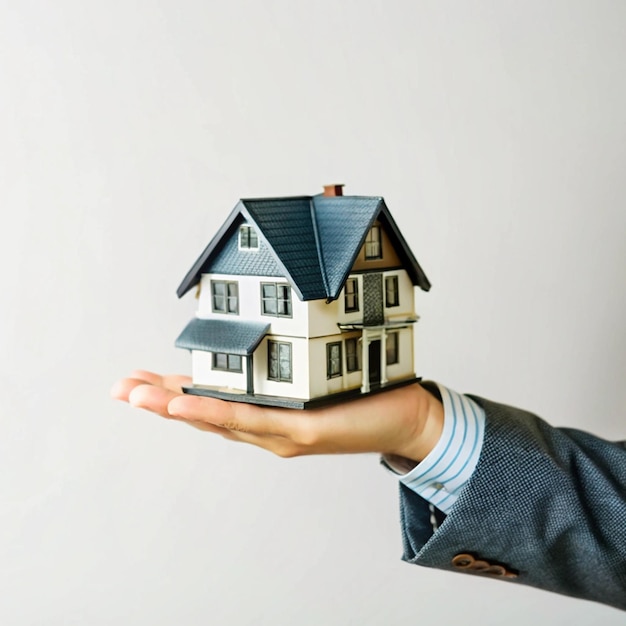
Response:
column 208, row 428
column 265, row 441
column 331, row 429
column 122, row 388
column 174, row 382
column 278, row 445
column 151, row 398
column 149, row 377
column 235, row 416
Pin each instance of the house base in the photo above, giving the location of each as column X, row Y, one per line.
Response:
column 296, row 403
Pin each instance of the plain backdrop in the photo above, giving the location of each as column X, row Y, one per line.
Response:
column 496, row 132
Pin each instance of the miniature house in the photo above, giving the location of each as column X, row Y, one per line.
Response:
column 303, row 301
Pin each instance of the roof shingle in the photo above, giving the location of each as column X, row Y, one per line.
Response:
column 312, row 241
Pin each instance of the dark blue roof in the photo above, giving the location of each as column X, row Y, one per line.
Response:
column 230, row 336
column 229, row 259
column 287, row 225
column 312, row 241
column 342, row 224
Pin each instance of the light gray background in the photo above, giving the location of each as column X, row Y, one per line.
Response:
column 128, row 130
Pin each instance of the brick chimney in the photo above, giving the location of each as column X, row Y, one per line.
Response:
column 333, row 190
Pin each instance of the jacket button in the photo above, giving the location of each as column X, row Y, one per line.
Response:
column 463, row 561
column 477, row 566
column 495, row 570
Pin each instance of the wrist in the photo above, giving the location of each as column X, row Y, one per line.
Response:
column 422, row 424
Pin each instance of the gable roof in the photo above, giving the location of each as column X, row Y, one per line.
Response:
column 313, row 240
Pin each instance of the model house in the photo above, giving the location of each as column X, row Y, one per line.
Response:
column 303, row 301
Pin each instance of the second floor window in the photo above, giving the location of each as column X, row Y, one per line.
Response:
column 351, row 295
column 276, row 299
column 392, row 297
column 248, row 239
column 373, row 247
column 224, row 297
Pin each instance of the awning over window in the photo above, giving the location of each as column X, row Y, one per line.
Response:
column 230, row 336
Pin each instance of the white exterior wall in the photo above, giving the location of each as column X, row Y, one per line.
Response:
column 321, row 385
column 323, row 318
column 249, row 288
column 293, row 330
column 406, row 294
column 204, row 374
column 404, row 367
column 312, row 326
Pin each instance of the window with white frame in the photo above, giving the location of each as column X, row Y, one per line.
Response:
column 392, row 347
column 373, row 247
column 351, row 291
column 353, row 355
column 333, row 359
column 224, row 297
column 227, row 362
column 279, row 365
column 276, row 299
column 248, row 239
column 392, row 296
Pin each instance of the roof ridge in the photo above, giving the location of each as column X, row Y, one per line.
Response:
column 318, row 247
column 274, row 198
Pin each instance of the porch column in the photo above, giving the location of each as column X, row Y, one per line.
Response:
column 383, row 356
column 365, row 363
column 249, row 374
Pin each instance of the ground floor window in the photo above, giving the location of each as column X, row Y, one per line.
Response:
column 227, row 362
column 333, row 359
column 353, row 355
column 279, row 361
column 392, row 348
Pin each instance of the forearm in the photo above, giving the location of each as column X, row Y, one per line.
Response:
column 547, row 503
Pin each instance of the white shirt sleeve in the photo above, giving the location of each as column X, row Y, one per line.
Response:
column 440, row 477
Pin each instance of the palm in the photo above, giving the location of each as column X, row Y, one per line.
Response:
column 405, row 421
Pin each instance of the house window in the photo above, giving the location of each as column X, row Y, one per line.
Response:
column 373, row 249
column 392, row 348
column 353, row 355
column 392, row 297
column 276, row 299
column 279, row 361
column 351, row 295
column 225, row 297
column 248, row 239
column 333, row 359
column 227, row 362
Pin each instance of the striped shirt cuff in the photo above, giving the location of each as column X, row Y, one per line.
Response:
column 440, row 477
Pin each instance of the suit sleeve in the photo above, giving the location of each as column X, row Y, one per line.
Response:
column 545, row 507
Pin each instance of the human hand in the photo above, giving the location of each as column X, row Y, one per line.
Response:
column 406, row 421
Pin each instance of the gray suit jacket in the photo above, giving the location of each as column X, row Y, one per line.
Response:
column 545, row 507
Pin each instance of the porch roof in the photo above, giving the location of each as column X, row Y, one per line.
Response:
column 230, row 336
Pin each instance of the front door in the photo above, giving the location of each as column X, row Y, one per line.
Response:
column 373, row 299
column 374, row 361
